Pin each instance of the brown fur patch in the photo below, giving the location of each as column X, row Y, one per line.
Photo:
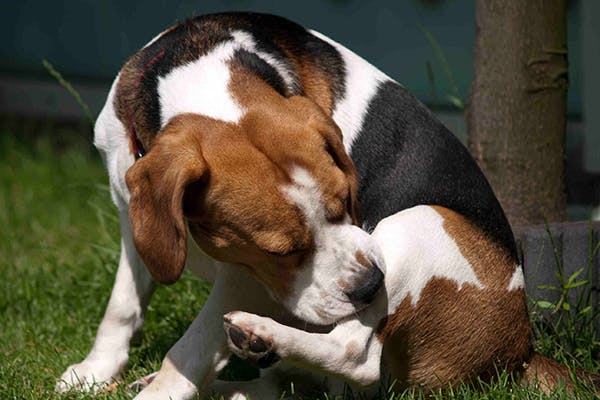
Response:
column 363, row 260
column 548, row 374
column 454, row 335
column 248, row 164
column 245, row 164
column 317, row 85
column 545, row 373
column 157, row 184
column 319, row 78
column 302, row 126
column 491, row 262
column 343, row 284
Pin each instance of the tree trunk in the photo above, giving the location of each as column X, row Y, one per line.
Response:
column 516, row 113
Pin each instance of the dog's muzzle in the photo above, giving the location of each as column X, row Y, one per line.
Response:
column 366, row 293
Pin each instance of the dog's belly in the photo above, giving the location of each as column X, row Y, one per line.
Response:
column 456, row 309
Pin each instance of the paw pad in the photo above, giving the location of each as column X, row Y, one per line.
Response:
column 247, row 345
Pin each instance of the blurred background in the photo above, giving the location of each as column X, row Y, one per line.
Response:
column 427, row 45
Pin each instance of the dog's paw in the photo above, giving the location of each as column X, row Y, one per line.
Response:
column 248, row 337
column 88, row 376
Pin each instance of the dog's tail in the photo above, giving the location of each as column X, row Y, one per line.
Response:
column 548, row 375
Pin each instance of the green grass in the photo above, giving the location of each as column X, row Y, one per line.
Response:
column 58, row 257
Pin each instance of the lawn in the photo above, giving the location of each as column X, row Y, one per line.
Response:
column 58, row 256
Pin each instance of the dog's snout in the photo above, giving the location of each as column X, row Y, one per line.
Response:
column 366, row 293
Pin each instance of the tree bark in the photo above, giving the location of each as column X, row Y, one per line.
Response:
column 517, row 106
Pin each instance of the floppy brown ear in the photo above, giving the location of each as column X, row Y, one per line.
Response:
column 157, row 183
column 343, row 161
column 333, row 137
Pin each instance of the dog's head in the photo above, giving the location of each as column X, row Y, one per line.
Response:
column 275, row 193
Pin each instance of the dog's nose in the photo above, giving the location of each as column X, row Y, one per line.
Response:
column 366, row 293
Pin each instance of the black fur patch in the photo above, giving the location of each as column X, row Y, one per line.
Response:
column 286, row 39
column 261, row 68
column 405, row 157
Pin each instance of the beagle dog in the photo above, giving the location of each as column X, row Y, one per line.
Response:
column 311, row 189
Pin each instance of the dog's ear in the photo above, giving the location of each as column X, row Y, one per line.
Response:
column 157, row 184
column 333, row 138
column 335, row 146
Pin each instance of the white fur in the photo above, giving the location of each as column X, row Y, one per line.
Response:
column 111, row 138
column 517, row 281
column 417, row 249
column 133, row 285
column 200, row 87
column 362, row 81
column 194, row 361
column 319, row 286
column 350, row 350
column 124, row 317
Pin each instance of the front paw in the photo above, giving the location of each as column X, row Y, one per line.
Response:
column 88, row 376
column 248, row 337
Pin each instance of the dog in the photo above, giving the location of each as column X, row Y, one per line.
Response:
column 308, row 187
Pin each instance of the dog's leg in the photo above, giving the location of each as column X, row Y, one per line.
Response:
column 124, row 317
column 351, row 350
column 196, row 359
column 264, row 388
column 284, row 381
